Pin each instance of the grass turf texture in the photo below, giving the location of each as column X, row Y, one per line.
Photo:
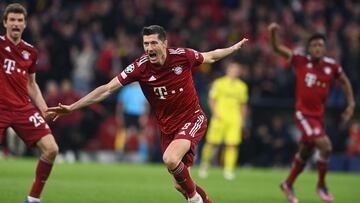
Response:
column 126, row 183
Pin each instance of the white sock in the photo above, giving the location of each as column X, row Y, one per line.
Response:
column 33, row 199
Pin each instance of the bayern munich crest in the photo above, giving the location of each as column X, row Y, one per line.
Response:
column 26, row 55
column 327, row 70
column 178, row 70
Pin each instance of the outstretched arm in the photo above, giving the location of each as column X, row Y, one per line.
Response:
column 278, row 48
column 215, row 55
column 97, row 95
column 346, row 86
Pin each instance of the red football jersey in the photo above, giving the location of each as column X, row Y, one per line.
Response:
column 17, row 61
column 313, row 80
column 169, row 88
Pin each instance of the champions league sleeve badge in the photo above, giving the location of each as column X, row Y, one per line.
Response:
column 130, row 68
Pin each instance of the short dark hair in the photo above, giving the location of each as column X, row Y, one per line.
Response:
column 315, row 37
column 14, row 8
column 154, row 29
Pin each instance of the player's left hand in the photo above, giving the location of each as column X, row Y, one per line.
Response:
column 273, row 27
column 347, row 114
column 238, row 45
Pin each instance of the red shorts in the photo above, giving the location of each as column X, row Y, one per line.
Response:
column 311, row 127
column 193, row 129
column 29, row 125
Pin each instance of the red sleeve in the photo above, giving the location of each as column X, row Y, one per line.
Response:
column 338, row 70
column 32, row 68
column 195, row 58
column 295, row 59
column 132, row 72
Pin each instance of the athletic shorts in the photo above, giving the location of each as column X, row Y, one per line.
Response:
column 311, row 127
column 131, row 120
column 192, row 129
column 221, row 131
column 29, row 125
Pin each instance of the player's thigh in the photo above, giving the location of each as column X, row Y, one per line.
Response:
column 324, row 145
column 5, row 120
column 215, row 133
column 30, row 126
column 233, row 134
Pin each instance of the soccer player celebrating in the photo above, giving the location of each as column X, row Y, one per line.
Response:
column 18, row 86
column 314, row 74
column 227, row 100
column 165, row 76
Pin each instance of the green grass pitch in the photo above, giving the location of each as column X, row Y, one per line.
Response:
column 126, row 183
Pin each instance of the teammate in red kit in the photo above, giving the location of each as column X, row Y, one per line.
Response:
column 314, row 74
column 165, row 76
column 18, row 89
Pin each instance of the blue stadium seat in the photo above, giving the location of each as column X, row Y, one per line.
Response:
column 354, row 163
column 338, row 162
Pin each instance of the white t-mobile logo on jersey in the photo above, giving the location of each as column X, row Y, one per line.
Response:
column 310, row 79
column 160, row 91
column 9, row 65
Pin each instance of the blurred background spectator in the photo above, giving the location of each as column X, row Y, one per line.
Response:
column 132, row 111
column 353, row 146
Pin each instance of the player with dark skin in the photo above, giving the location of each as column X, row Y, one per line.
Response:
column 316, row 70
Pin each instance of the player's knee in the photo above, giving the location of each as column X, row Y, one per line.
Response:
column 51, row 152
column 171, row 161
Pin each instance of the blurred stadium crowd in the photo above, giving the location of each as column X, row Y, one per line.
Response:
column 84, row 44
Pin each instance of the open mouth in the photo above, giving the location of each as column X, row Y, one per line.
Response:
column 152, row 55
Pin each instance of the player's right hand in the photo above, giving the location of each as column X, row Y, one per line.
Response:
column 60, row 110
column 49, row 116
column 238, row 45
column 273, row 27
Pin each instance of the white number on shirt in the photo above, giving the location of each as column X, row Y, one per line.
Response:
column 186, row 126
column 36, row 119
